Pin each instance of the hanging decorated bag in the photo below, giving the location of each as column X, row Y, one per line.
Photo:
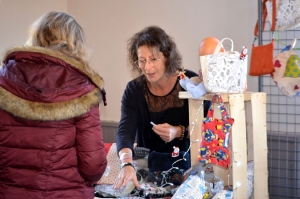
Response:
column 287, row 71
column 261, row 61
column 214, row 147
column 287, row 13
column 224, row 72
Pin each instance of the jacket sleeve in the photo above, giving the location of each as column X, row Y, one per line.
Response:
column 90, row 146
column 129, row 117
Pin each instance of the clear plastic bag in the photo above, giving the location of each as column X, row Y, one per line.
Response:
column 250, row 177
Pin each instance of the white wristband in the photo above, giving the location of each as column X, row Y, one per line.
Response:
column 125, row 153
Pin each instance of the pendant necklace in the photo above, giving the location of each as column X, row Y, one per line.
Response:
column 165, row 101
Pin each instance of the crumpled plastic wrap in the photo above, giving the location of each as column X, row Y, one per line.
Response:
column 250, row 176
column 108, row 190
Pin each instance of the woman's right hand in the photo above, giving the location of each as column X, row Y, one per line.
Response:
column 126, row 174
column 167, row 132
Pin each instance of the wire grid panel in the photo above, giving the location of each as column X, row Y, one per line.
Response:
column 283, row 126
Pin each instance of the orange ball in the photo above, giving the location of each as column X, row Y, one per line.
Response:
column 208, row 45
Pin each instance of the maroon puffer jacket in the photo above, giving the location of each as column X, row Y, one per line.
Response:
column 51, row 143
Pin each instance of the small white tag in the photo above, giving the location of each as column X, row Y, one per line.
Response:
column 226, row 140
column 153, row 124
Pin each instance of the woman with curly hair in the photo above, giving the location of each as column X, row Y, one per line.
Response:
column 152, row 97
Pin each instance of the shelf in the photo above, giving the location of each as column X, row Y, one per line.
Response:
column 248, row 139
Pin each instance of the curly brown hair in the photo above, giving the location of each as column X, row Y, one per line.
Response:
column 154, row 36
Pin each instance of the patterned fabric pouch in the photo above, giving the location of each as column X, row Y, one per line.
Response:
column 287, row 13
column 287, row 71
column 225, row 72
column 215, row 136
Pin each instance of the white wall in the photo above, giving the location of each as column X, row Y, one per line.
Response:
column 17, row 15
column 110, row 23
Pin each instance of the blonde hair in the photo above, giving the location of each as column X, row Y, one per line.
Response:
column 60, row 32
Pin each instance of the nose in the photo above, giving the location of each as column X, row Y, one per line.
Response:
column 148, row 64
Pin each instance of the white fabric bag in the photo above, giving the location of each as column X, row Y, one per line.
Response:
column 287, row 13
column 224, row 72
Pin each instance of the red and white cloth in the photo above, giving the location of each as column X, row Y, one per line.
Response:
column 113, row 165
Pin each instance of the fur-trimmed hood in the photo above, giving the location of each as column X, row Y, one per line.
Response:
column 93, row 76
column 52, row 111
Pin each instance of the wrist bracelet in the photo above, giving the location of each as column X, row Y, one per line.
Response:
column 124, row 164
column 186, row 132
column 182, row 132
column 125, row 159
column 125, row 153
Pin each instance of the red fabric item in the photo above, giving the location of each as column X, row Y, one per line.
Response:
column 215, row 137
column 107, row 147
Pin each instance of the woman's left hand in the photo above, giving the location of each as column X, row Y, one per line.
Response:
column 167, row 132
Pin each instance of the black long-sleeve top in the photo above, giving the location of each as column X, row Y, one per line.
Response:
column 136, row 118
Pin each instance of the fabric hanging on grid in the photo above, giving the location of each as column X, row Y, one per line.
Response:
column 287, row 72
column 287, row 13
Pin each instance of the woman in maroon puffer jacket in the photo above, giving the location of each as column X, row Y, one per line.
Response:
column 51, row 143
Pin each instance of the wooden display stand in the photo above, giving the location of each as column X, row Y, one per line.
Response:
column 248, row 139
